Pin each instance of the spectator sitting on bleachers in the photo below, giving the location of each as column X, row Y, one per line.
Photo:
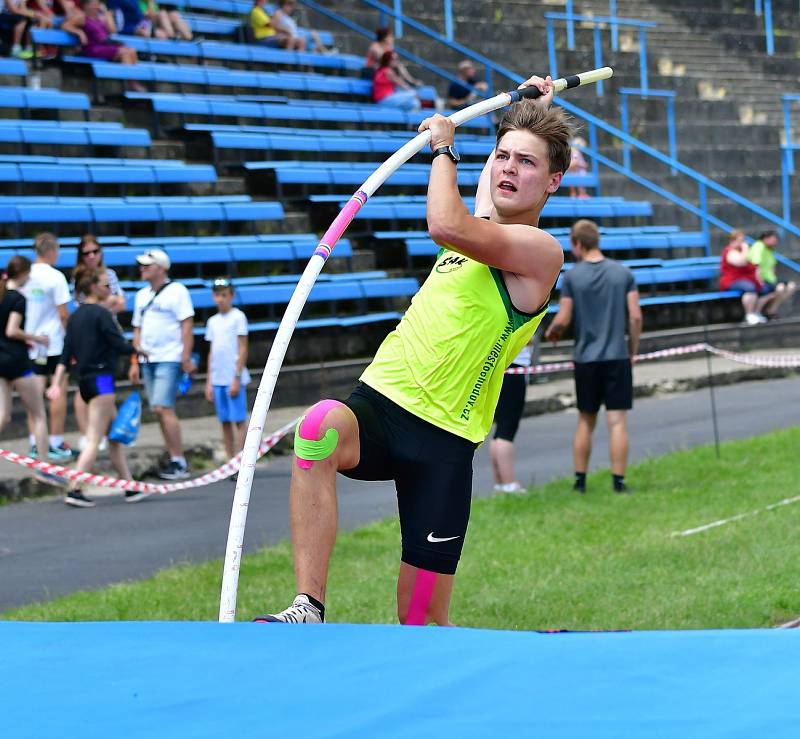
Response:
column 384, row 41
column 286, row 27
column 578, row 165
column 461, row 94
column 94, row 27
column 46, row 9
column 167, row 24
column 385, row 84
column 17, row 16
column 762, row 254
column 129, row 18
column 261, row 28
column 737, row 273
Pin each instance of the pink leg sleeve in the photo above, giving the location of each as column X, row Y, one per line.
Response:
column 424, row 584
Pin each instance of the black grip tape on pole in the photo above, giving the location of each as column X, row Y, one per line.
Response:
column 573, row 81
column 529, row 92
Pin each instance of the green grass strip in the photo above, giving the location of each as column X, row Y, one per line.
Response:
column 549, row 559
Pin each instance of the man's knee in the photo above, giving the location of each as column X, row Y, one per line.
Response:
column 322, row 433
column 617, row 419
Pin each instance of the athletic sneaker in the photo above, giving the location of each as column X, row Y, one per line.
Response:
column 134, row 496
column 62, row 453
column 302, row 611
column 173, row 471
column 509, row 487
column 78, row 499
column 56, row 454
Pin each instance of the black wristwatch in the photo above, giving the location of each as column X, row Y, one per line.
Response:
column 450, row 151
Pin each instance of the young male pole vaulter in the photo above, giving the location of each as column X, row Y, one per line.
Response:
column 427, row 400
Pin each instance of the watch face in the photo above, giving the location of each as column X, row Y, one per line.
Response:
column 454, row 153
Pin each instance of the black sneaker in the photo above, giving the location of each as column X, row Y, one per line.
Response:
column 578, row 487
column 78, row 499
column 621, row 488
column 173, row 471
column 134, row 496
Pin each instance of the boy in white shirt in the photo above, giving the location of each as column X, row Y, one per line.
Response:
column 47, row 297
column 228, row 377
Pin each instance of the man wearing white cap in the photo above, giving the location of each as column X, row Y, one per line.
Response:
column 162, row 336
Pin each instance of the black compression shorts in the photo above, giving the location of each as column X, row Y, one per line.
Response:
column 13, row 367
column 93, row 385
column 509, row 406
column 432, row 470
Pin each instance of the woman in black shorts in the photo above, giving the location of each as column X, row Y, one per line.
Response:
column 94, row 340
column 507, row 416
column 15, row 365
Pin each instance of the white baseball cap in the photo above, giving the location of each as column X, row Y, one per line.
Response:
column 154, row 256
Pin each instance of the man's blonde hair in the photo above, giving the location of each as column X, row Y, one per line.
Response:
column 551, row 124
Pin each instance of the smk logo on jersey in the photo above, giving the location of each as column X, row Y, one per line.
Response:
column 451, row 264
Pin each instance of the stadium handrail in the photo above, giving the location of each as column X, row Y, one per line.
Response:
column 704, row 183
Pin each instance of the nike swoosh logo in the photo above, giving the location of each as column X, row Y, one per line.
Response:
column 438, row 539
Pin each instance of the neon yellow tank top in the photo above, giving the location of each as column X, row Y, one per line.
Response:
column 445, row 360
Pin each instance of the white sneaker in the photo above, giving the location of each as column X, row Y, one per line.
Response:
column 302, row 611
column 509, row 487
column 751, row 319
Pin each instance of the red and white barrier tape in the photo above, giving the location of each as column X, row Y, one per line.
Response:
column 777, row 361
column 231, row 467
column 755, row 360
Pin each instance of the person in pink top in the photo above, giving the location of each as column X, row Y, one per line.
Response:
column 384, row 41
column 385, row 84
column 93, row 26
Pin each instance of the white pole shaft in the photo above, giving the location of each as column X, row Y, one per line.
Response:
column 266, row 388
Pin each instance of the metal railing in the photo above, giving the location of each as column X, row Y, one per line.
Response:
column 705, row 185
column 788, row 148
column 669, row 96
column 598, row 22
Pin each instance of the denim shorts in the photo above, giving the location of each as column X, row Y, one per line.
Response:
column 747, row 286
column 161, row 382
column 230, row 410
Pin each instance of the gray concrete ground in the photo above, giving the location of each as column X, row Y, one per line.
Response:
column 47, row 549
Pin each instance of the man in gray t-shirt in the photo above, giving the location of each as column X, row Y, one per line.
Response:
column 602, row 297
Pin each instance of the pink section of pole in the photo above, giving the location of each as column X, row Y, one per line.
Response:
column 340, row 224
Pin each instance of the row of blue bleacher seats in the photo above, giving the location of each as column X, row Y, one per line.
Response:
column 263, row 175
column 324, row 114
column 395, row 208
column 328, row 143
column 161, row 211
column 103, row 174
column 191, row 74
column 203, row 50
column 25, row 133
column 226, row 254
column 22, row 98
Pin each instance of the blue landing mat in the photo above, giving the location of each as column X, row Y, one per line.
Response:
column 254, row 680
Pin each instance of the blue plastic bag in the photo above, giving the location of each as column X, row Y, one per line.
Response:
column 125, row 427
